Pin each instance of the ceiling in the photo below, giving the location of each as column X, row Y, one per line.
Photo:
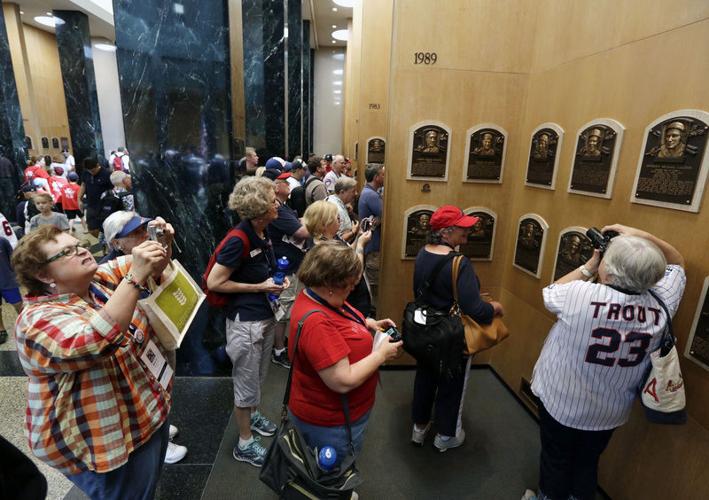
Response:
column 100, row 13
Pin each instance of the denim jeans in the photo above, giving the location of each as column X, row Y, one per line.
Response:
column 136, row 479
column 318, row 436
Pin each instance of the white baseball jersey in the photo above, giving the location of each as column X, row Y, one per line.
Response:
column 596, row 354
column 7, row 232
column 330, row 179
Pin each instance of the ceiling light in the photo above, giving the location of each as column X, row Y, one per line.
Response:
column 22, row 12
column 338, row 91
column 337, row 82
column 337, row 71
column 108, row 47
column 344, row 3
column 342, row 35
column 334, row 26
column 49, row 21
column 334, row 9
column 334, row 41
column 50, row 14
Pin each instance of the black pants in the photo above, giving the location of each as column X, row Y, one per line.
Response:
column 19, row 476
column 446, row 394
column 569, row 459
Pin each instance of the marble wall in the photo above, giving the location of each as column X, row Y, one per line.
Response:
column 75, row 57
column 295, row 78
column 307, row 101
column 12, row 133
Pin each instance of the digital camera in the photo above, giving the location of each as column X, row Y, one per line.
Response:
column 366, row 224
column 599, row 240
column 155, row 233
column 394, row 334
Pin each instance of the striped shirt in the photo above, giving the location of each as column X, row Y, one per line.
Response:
column 597, row 353
column 91, row 401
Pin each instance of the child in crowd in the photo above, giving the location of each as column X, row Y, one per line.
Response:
column 56, row 182
column 70, row 199
column 8, row 284
column 44, row 202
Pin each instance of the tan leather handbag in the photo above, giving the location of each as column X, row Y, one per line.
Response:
column 477, row 337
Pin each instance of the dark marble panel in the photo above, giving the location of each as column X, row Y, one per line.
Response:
column 12, row 132
column 274, row 52
column 10, row 364
column 182, row 482
column 307, row 96
column 77, row 65
column 312, row 97
column 252, row 20
column 295, row 78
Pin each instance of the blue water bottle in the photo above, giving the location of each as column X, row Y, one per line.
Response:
column 327, row 456
column 279, row 277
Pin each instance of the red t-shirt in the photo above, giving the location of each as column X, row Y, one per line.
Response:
column 56, row 183
column 70, row 196
column 35, row 171
column 326, row 339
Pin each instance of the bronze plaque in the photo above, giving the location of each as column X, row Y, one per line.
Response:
column 485, row 155
column 542, row 157
column 375, row 150
column 593, row 160
column 529, row 245
column 699, row 336
column 417, row 231
column 430, row 151
column 479, row 244
column 574, row 249
column 672, row 161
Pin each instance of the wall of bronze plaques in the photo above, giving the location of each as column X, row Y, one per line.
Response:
column 529, row 247
column 596, row 158
column 416, row 229
column 376, row 150
column 485, row 150
column 481, row 240
column 672, row 168
column 573, row 249
column 543, row 157
column 698, row 343
column 430, row 151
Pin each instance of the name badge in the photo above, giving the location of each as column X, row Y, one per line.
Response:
column 157, row 364
column 254, row 252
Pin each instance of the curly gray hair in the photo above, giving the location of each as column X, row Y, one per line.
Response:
column 251, row 197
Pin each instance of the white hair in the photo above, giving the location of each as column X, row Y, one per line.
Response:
column 633, row 263
column 344, row 183
column 115, row 223
column 118, row 177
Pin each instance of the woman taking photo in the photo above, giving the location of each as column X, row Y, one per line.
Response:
column 449, row 228
column 335, row 353
column 99, row 384
column 322, row 220
column 597, row 354
column 243, row 270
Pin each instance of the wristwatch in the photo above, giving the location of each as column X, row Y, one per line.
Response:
column 585, row 271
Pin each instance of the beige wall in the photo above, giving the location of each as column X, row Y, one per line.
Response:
column 569, row 63
column 353, row 59
column 38, row 76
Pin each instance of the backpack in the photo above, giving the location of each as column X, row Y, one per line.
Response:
column 110, row 203
column 218, row 299
column 117, row 163
column 297, row 200
column 312, row 179
column 439, row 343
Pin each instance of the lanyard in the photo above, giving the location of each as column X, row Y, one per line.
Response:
column 346, row 311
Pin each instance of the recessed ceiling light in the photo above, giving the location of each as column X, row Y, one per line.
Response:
column 49, row 14
column 337, row 71
column 334, row 9
column 50, row 21
column 342, row 35
column 22, row 12
column 108, row 47
column 344, row 3
column 338, row 91
column 334, row 41
column 337, row 82
column 334, row 26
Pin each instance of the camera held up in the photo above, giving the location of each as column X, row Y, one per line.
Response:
column 600, row 240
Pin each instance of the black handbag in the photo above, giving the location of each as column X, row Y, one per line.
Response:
column 291, row 468
column 435, row 338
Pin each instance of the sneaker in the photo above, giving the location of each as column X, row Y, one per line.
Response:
column 173, row 432
column 529, row 495
column 444, row 444
column 175, row 453
column 262, row 425
column 254, row 453
column 280, row 359
column 417, row 436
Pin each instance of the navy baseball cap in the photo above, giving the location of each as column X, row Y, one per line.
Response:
column 132, row 225
column 72, row 176
column 273, row 163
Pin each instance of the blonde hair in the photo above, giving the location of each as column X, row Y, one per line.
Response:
column 250, row 197
column 331, row 264
column 43, row 196
column 29, row 258
column 318, row 216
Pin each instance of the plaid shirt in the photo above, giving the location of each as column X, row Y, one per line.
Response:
column 91, row 401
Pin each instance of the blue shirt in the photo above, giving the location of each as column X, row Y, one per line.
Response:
column 440, row 293
column 255, row 268
column 281, row 231
column 7, row 275
column 370, row 204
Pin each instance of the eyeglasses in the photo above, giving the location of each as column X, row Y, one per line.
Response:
column 67, row 252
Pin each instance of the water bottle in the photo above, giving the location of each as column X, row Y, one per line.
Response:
column 327, row 456
column 279, row 276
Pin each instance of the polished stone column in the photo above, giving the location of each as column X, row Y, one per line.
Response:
column 295, row 78
column 255, row 116
column 307, row 96
column 12, row 132
column 74, row 44
column 311, row 127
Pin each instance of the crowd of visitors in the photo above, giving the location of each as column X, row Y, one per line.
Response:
column 305, row 247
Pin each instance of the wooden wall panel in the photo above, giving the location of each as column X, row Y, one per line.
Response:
column 353, row 59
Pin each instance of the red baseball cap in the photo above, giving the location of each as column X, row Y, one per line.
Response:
column 449, row 216
column 284, row 176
